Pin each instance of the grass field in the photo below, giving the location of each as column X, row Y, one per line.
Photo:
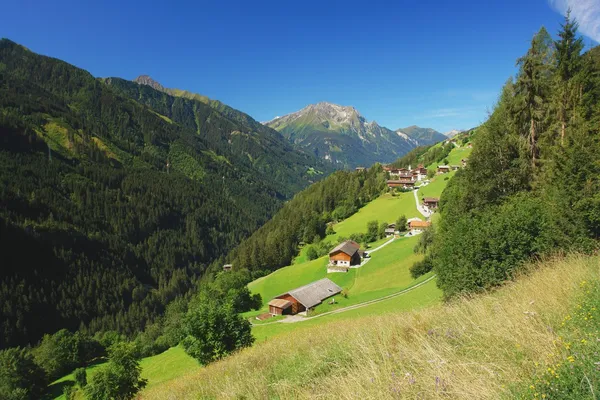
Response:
column 484, row 347
column 436, row 186
column 386, row 272
column 157, row 369
column 458, row 154
column 386, row 208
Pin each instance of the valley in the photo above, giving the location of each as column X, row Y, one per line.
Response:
column 158, row 243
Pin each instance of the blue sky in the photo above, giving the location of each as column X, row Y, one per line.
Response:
column 437, row 64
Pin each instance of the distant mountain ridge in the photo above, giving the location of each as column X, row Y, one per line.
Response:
column 424, row 136
column 453, row 132
column 341, row 135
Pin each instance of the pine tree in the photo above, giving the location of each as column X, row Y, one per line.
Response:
column 532, row 88
column 568, row 69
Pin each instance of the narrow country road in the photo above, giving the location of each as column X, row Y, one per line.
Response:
column 421, row 209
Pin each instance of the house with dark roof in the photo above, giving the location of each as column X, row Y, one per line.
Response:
column 345, row 255
column 303, row 298
column 431, row 203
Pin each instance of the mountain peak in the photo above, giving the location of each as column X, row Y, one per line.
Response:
column 147, row 80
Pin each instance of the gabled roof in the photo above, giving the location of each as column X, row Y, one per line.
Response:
column 280, row 303
column 430, row 200
column 314, row 293
column 349, row 247
column 419, row 224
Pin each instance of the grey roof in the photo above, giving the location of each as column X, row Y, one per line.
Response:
column 314, row 293
column 349, row 247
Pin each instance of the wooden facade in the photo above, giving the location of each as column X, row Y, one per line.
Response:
column 296, row 305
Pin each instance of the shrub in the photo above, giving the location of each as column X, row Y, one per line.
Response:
column 421, row 267
column 214, row 330
column 120, row 378
column 477, row 252
column 311, row 253
column 401, row 223
column 80, row 376
column 372, row 231
column 20, row 377
column 57, row 354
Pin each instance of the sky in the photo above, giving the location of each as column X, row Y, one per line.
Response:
column 438, row 64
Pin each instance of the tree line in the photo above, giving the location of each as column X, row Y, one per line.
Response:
column 532, row 186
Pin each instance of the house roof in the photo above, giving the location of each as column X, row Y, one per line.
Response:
column 419, row 224
column 443, row 166
column 280, row 303
column 349, row 247
column 314, row 293
column 430, row 200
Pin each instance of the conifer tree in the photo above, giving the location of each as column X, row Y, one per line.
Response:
column 568, row 91
column 532, row 89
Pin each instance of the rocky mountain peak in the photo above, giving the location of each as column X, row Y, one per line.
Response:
column 147, row 80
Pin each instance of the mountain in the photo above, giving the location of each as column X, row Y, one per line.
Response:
column 342, row 136
column 117, row 197
column 423, row 136
column 453, row 132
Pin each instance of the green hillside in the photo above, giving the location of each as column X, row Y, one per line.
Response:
column 114, row 204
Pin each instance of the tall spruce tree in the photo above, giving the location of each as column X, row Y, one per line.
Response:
column 569, row 89
column 532, row 89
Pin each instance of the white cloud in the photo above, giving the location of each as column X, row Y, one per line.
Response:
column 586, row 12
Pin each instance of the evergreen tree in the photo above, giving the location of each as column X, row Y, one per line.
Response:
column 532, row 89
column 568, row 86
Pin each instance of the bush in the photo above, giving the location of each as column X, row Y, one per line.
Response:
column 57, row 354
column 214, row 330
column 119, row 378
column 477, row 252
column 421, row 267
column 329, row 230
column 20, row 377
column 401, row 223
column 311, row 253
column 80, row 376
column 372, row 231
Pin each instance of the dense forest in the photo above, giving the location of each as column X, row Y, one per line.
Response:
column 532, row 186
column 304, row 219
column 110, row 208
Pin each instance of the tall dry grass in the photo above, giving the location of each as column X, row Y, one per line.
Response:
column 474, row 348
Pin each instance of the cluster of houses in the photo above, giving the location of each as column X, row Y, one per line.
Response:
column 405, row 178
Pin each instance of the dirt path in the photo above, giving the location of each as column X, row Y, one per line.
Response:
column 297, row 318
column 420, row 208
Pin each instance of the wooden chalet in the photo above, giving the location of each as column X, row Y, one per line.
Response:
column 345, row 254
column 443, row 169
column 418, row 226
column 431, row 202
column 303, row 298
column 227, row 267
column 401, row 183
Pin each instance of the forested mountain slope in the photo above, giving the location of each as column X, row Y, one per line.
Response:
column 110, row 208
column 243, row 140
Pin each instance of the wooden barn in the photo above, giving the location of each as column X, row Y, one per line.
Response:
column 303, row 298
column 345, row 254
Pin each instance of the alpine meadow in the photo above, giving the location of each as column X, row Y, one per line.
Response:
column 157, row 243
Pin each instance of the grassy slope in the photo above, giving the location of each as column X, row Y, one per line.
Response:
column 481, row 348
column 387, row 272
column 157, row 369
column 386, row 208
